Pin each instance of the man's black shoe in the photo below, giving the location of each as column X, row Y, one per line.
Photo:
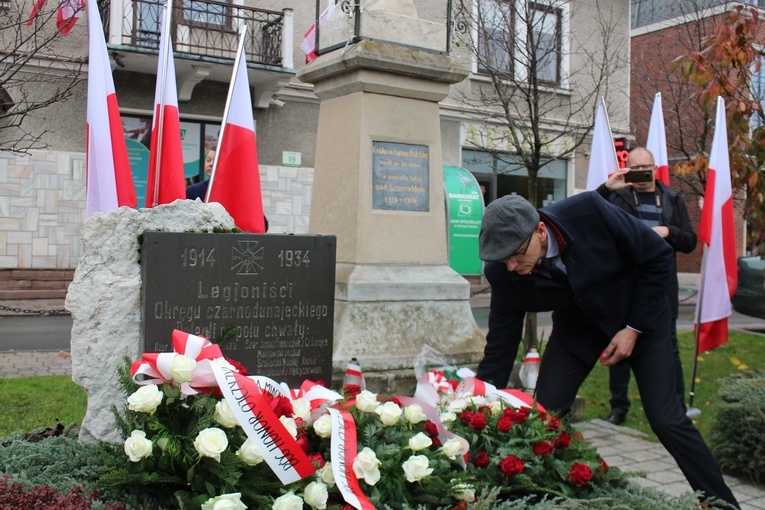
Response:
column 617, row 416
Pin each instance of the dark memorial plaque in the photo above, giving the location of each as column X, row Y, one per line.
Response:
column 278, row 291
column 400, row 177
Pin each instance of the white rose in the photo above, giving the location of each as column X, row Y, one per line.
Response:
column 414, row 414
column 225, row 502
column 182, row 368
column 366, row 401
column 367, row 466
column 323, row 426
column 137, row 446
column 301, row 408
column 464, row 491
column 211, row 443
column 416, row 468
column 458, row 405
column 478, row 400
column 452, row 448
column 224, row 415
column 249, row 454
column 316, row 495
column 496, row 407
column 146, row 399
column 288, row 502
column 419, row 442
column 290, row 425
column 447, row 417
column 326, row 474
column 389, row 413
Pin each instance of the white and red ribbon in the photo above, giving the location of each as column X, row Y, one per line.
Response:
column 281, row 452
column 343, row 451
column 514, row 398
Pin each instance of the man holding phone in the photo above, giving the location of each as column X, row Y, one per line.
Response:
column 635, row 190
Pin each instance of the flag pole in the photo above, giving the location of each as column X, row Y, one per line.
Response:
column 165, row 50
column 224, row 121
column 694, row 412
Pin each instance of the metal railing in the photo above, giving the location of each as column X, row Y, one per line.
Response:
column 204, row 28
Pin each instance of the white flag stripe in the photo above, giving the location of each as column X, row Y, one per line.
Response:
column 657, row 138
column 603, row 160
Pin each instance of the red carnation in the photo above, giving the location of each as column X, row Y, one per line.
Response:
column 553, row 423
column 603, row 465
column 281, row 406
column 466, row 416
column 431, row 429
column 579, row 474
column 303, row 443
column 563, row 441
column 511, row 466
column 542, row 448
column 316, row 459
column 504, row 424
column 481, row 459
column 478, row 421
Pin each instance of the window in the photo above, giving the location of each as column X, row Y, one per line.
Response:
column 502, row 27
column 495, row 36
column 758, row 91
column 206, row 13
column 544, row 41
column 507, row 176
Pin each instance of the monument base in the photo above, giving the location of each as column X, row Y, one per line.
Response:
column 384, row 314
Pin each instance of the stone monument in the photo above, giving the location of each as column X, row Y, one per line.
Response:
column 378, row 186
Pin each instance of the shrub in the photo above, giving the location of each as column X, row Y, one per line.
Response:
column 737, row 435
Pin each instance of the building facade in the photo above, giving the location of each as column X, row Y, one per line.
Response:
column 42, row 192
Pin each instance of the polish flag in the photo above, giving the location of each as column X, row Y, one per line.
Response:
column 603, row 160
column 719, row 274
column 109, row 181
column 165, row 181
column 69, row 11
column 235, row 179
column 309, row 39
column 657, row 141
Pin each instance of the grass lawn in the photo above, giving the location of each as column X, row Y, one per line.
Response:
column 743, row 351
column 34, row 403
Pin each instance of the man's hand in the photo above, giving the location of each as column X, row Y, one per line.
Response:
column 616, row 181
column 661, row 230
column 620, row 347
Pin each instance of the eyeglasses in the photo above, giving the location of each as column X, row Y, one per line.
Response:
column 520, row 253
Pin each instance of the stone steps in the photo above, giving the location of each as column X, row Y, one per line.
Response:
column 16, row 284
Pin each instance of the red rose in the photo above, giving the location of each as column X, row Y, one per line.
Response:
column 453, row 383
column 579, row 474
column 466, row 416
column 238, row 366
column 518, row 417
column 504, row 424
column 542, row 416
column 281, row 406
column 351, row 390
column 396, row 401
column 553, row 423
column 478, row 421
column 542, row 448
column 511, row 466
column 603, row 466
column 485, row 410
column 431, row 429
column 481, row 459
column 436, row 442
column 563, row 441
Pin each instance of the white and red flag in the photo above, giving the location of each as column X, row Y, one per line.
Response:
column 165, row 181
column 109, row 181
column 309, row 39
column 235, row 179
column 719, row 273
column 657, row 140
column 69, row 11
column 603, row 160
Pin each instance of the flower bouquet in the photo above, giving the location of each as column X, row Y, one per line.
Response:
column 200, row 433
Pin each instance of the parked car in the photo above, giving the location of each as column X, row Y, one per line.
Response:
column 749, row 298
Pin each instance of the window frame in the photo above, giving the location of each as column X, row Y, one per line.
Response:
column 558, row 37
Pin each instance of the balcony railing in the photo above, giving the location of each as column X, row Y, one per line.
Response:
column 202, row 28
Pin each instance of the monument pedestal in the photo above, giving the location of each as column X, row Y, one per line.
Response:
column 378, row 187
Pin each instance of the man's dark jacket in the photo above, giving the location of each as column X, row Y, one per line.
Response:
column 674, row 215
column 618, row 270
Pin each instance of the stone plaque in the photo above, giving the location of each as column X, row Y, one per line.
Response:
column 400, row 177
column 277, row 291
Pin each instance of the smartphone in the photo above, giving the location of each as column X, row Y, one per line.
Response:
column 639, row 176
